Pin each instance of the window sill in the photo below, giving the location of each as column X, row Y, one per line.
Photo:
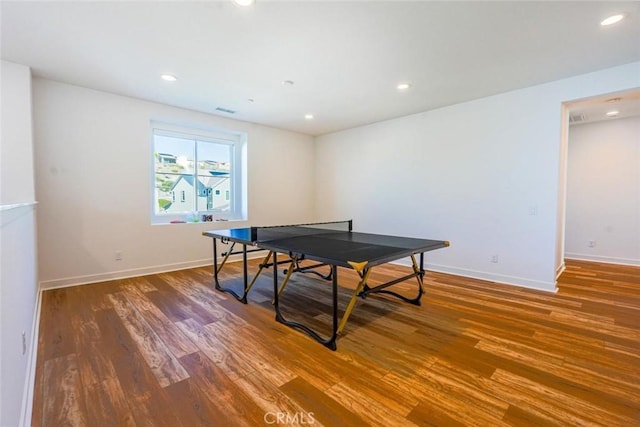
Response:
column 219, row 223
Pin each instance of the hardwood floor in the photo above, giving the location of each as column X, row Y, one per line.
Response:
column 167, row 350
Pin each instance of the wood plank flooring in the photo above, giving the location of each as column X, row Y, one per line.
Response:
column 168, row 350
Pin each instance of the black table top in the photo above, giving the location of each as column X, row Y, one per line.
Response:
column 336, row 248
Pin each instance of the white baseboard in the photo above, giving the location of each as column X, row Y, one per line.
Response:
column 134, row 272
column 561, row 268
column 491, row 277
column 28, row 389
column 121, row 274
column 605, row 259
column 457, row 271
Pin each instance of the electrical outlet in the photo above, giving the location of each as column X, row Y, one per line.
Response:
column 494, row 258
column 592, row 243
column 24, row 343
column 118, row 255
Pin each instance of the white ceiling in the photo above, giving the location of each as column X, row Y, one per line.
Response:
column 345, row 58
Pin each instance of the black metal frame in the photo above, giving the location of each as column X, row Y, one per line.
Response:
column 216, row 282
column 245, row 274
column 366, row 291
column 330, row 342
column 327, row 342
column 380, row 289
column 310, row 269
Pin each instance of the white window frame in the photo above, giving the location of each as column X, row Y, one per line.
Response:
column 236, row 140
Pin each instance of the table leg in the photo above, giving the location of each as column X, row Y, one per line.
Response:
column 245, row 274
column 327, row 342
column 216, row 283
column 216, row 270
column 334, row 288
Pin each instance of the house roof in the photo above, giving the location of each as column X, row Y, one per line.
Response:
column 189, row 180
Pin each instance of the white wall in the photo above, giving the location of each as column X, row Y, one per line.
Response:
column 483, row 174
column 93, row 182
column 603, row 191
column 16, row 158
column 18, row 278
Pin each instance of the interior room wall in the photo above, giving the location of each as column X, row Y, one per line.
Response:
column 18, row 277
column 603, row 192
column 483, row 174
column 562, row 190
column 93, row 181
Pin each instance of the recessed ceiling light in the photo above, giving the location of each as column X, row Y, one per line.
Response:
column 168, row 77
column 612, row 113
column 612, row 19
column 403, row 86
column 244, row 2
column 308, row 116
column 287, row 82
column 250, row 100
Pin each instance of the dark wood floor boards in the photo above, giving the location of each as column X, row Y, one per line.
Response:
column 228, row 361
column 168, row 350
column 235, row 407
column 61, row 381
column 324, row 409
column 162, row 362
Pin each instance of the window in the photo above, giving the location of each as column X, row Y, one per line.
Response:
column 192, row 167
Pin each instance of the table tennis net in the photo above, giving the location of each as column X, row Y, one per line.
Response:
column 263, row 234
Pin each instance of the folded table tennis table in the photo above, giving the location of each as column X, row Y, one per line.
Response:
column 332, row 244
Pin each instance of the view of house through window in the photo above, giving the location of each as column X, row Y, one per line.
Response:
column 192, row 174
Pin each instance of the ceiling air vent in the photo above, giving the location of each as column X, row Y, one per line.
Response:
column 577, row 118
column 225, row 110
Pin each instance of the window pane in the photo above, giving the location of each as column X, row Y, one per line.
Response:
column 214, row 176
column 174, row 193
column 195, row 170
column 173, row 154
column 173, row 168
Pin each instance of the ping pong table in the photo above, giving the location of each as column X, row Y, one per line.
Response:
column 332, row 244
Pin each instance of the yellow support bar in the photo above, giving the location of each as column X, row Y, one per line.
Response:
column 287, row 277
column 416, row 270
column 262, row 266
column 358, row 266
column 226, row 256
column 352, row 301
